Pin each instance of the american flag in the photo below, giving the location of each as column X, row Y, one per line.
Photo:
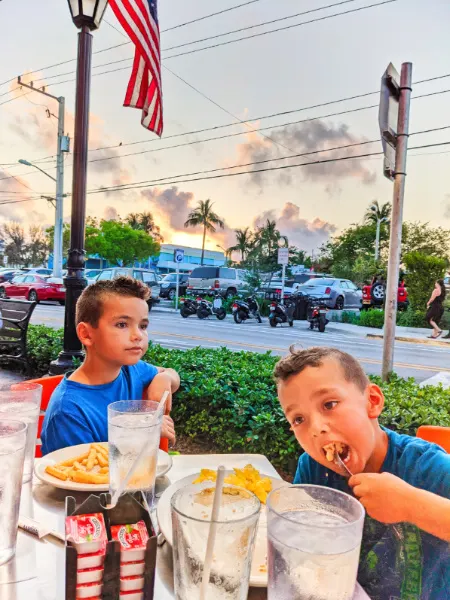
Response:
column 139, row 18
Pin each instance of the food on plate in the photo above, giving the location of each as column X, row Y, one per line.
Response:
column 332, row 449
column 92, row 467
column 248, row 478
column 87, row 533
column 132, row 539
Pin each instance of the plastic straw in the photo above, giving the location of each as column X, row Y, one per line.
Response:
column 158, row 413
column 212, row 532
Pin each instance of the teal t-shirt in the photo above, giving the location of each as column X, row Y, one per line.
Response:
column 78, row 413
column 416, row 566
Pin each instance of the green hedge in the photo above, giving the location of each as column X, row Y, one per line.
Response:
column 229, row 398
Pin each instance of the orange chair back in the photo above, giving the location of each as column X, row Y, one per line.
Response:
column 436, row 435
column 48, row 386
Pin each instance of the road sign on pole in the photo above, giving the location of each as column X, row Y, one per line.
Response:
column 388, row 118
column 283, row 256
column 399, row 176
column 178, row 257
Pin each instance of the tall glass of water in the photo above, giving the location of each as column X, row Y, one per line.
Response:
column 133, row 426
column 13, row 438
column 314, row 536
column 235, row 532
column 22, row 402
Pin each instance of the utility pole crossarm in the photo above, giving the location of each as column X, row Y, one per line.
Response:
column 31, row 87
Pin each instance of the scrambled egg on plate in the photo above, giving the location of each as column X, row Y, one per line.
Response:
column 248, row 478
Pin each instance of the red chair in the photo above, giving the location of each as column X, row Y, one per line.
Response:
column 48, row 386
column 436, row 435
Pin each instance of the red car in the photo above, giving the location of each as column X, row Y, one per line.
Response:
column 33, row 287
column 373, row 295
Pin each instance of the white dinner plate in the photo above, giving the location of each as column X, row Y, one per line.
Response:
column 164, row 465
column 258, row 573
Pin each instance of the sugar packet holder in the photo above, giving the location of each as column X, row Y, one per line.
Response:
column 129, row 509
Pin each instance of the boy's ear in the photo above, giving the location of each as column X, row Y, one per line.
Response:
column 375, row 401
column 84, row 333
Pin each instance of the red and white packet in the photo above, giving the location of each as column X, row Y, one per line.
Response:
column 86, row 532
column 132, row 539
column 89, row 590
column 134, row 595
column 128, row 569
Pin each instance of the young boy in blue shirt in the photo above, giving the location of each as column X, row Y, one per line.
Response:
column 328, row 399
column 112, row 321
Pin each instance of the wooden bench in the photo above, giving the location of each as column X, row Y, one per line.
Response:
column 15, row 317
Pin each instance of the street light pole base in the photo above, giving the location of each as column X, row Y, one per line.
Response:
column 65, row 362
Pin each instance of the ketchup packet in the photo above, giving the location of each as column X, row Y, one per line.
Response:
column 132, row 540
column 86, row 532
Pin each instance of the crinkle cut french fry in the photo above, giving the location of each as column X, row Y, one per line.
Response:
column 55, row 472
column 78, row 466
column 70, row 461
column 91, row 459
column 84, row 477
column 101, row 449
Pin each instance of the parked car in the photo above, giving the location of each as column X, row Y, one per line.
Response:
column 301, row 278
column 446, row 283
column 340, row 293
column 145, row 275
column 272, row 288
column 91, row 275
column 373, row 296
column 35, row 288
column 9, row 274
column 37, row 270
column 169, row 285
column 225, row 280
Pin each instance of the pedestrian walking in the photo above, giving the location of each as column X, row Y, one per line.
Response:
column 435, row 307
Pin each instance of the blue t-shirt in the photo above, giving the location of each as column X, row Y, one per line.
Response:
column 417, row 566
column 77, row 413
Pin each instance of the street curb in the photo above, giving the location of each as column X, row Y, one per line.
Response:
column 441, row 343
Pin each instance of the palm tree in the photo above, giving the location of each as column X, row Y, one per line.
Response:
column 204, row 215
column 144, row 221
column 375, row 213
column 267, row 237
column 244, row 241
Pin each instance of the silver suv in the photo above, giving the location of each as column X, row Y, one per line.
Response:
column 225, row 280
column 146, row 275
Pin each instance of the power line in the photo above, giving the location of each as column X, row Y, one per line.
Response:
column 229, row 41
column 219, row 35
column 255, row 35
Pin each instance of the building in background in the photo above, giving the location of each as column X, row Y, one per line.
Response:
column 164, row 263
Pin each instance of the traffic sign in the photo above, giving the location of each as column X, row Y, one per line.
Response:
column 283, row 256
column 388, row 118
column 178, row 255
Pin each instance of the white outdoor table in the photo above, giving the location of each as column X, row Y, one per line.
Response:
column 38, row 570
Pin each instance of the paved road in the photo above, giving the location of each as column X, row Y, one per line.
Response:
column 171, row 331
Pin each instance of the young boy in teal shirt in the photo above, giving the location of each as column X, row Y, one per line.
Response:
column 328, row 399
column 112, row 322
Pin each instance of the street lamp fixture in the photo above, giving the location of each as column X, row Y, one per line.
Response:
column 87, row 13
column 28, row 164
column 87, row 16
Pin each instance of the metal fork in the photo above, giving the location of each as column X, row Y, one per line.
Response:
column 340, row 463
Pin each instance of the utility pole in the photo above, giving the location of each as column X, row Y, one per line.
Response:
column 400, row 145
column 62, row 146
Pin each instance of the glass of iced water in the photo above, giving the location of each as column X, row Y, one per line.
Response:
column 22, row 402
column 13, row 438
column 133, row 425
column 314, row 537
column 191, row 508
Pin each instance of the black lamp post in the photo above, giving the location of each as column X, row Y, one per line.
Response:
column 87, row 16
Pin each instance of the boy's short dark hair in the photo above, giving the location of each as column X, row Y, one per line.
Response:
column 90, row 304
column 298, row 360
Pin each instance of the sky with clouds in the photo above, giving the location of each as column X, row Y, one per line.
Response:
column 281, row 72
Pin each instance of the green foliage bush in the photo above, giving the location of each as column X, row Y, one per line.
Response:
column 371, row 318
column 411, row 318
column 229, row 398
column 423, row 271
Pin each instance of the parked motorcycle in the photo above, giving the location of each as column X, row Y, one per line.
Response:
column 189, row 307
column 317, row 313
column 246, row 309
column 207, row 309
column 281, row 313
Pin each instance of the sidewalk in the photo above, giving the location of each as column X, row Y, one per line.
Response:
column 412, row 335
